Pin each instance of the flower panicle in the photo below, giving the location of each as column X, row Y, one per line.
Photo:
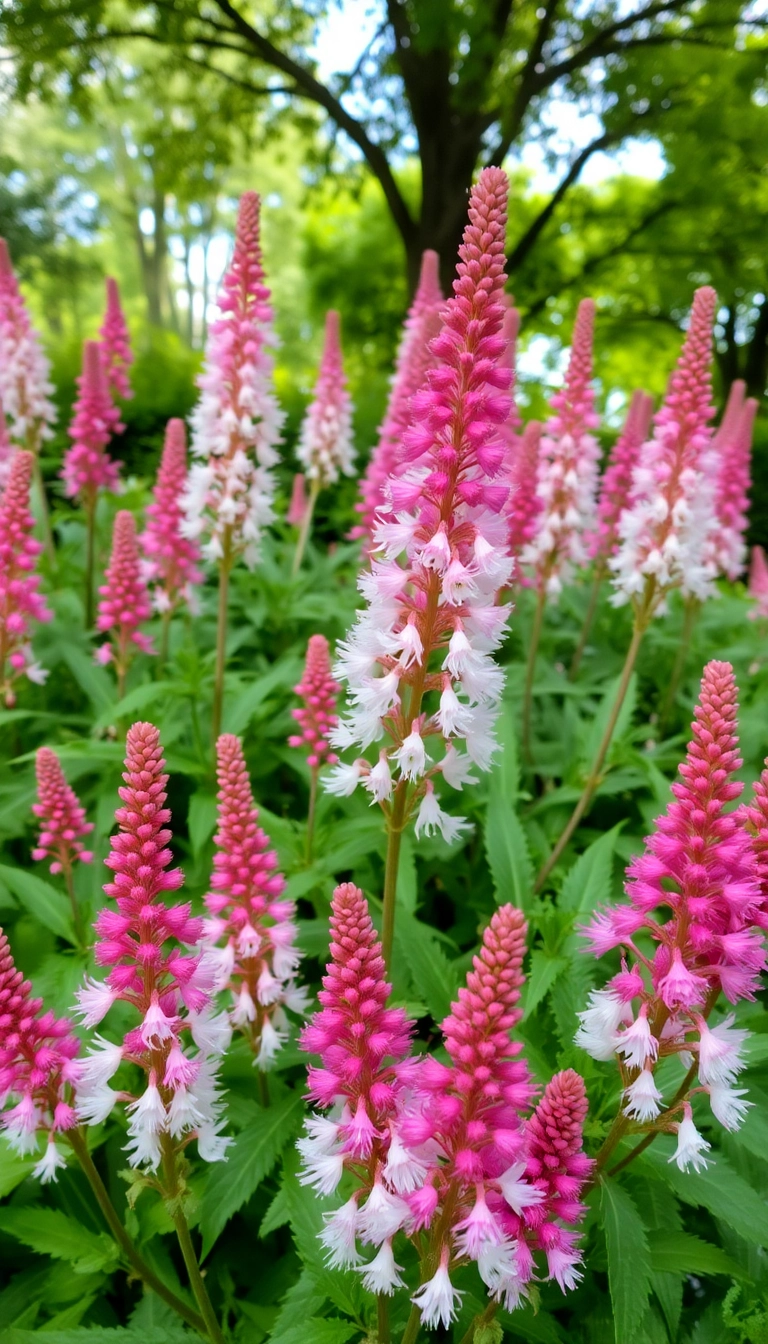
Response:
column 25, row 385
column 733, row 443
column 325, row 448
column 616, row 482
column 124, row 602
column 63, row 822
column 172, row 559
column 758, row 584
column 21, row 602
column 316, row 717
column 524, row 503
column 88, row 468
column 116, row 352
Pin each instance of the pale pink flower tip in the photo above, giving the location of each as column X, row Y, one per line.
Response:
column 474, row 1038
column 325, row 445
column 87, row 466
column 124, row 601
column 25, row 386
column 524, row 503
column 559, row 1167
column 172, row 558
column 733, row 442
column 297, row 508
column 616, row 482
column 116, row 352
column 20, row 601
column 758, row 583
column 317, row 716
column 62, row 816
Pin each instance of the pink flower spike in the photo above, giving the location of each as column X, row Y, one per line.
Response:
column 7, row 450
column 666, row 529
column 414, row 359
column 61, row 815
column 567, row 474
column 172, row 559
column 733, row 442
column 298, row 506
column 124, row 602
column 88, row 468
column 116, row 352
column 38, row 1067
column 21, row 603
column 317, row 716
column 25, row 385
column 758, row 584
column 524, row 503
column 250, row 937
column 557, row 1165
column 325, row 446
column 616, row 482
column 237, row 421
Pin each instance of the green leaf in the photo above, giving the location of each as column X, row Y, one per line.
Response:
column 138, row 699
column 252, row 1155
column 201, row 819
column 629, row 1263
column 50, row 1232
column 158, row 1334
column 13, row 1169
column 407, row 879
column 306, row 1215
column 319, row 1331
column 507, row 766
column 588, row 882
column 49, row 906
column 301, row 1301
column 718, row 1188
column 507, row 850
column 431, row 972
column 681, row 1253
column 239, row 711
column 89, row 676
column 541, row 977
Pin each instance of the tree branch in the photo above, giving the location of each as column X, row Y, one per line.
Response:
column 532, row 233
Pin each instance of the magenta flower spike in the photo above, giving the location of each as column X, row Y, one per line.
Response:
column 732, row 413
column 431, row 619
column 733, row 443
column 524, row 503
column 567, row 475
column 124, row 600
column 665, row 530
column 171, row 561
column 251, row 932
column 317, row 716
column 25, row 385
column 116, row 353
column 237, row 421
column 62, row 817
column 616, row 482
column 758, row 584
column 7, row 450
column 149, row 947
column 21, row 603
column 38, row 1070
column 696, row 894
column 511, row 331
column 88, row 468
column 414, row 359
column 297, row 509
column 557, row 1166
column 325, row 446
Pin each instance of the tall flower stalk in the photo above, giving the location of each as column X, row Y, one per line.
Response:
column 235, row 428
column 63, row 824
column 116, row 352
column 124, row 602
column 325, row 446
column 21, row 603
column 665, row 529
column 432, row 620
column 171, row 561
column 316, row 718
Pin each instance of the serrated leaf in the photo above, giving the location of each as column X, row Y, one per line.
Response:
column 321, row 1330
column 433, row 976
column 302, row 1300
column 681, row 1253
column 51, row 1232
column 719, row 1189
column 253, row 1154
column 165, row 1334
column 137, row 700
column 588, row 882
column 507, row 850
column 542, row 975
column 306, row 1216
column 629, row 1262
column 49, row 906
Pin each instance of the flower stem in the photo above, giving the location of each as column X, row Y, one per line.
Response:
column 692, row 609
column 306, row 528
column 263, row 1088
column 394, row 838
column 90, row 558
column 165, row 634
column 313, row 774
column 76, row 916
column 484, row 1318
column 594, row 777
column 588, row 622
column 411, row 1332
column 135, row 1259
column 382, row 1319
column 225, row 566
column 175, row 1209
column 45, row 516
column 530, row 669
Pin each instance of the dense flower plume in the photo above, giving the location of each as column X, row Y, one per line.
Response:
column 524, row 503
column 124, row 601
column 701, row 867
column 236, row 424
column 616, row 481
column 116, row 352
column 511, row 331
column 88, row 467
column 147, row 945
column 665, row 530
column 62, row 816
column 25, row 386
column 325, row 448
column 7, row 449
column 251, row 932
column 758, row 583
column 21, row 603
column 733, row 444
column 38, row 1068
column 171, row 565
column 414, row 359
column 447, row 518
column 567, row 474
column 317, row 716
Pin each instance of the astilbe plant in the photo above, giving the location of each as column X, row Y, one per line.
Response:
column 250, row 933
column 734, row 444
column 524, row 503
column 116, row 352
column 7, row 449
column 171, row 559
column 63, row 824
column 316, row 718
column 432, row 620
column 325, row 448
column 758, row 584
column 25, row 385
column 124, row 602
column 21, row 602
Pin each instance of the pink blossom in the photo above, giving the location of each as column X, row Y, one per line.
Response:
column 148, row 946
column 758, row 584
column 62, row 816
column 297, row 508
column 524, row 503
column 25, row 386
column 7, row 450
column 557, row 1166
column 124, row 601
column 325, row 445
column 616, row 482
column 88, row 468
column 414, row 359
column 511, row 331
column 236, row 424
column 440, row 554
column 567, row 473
column 733, row 444
column 251, row 933
column 116, row 352
column 317, row 716
column 754, row 816
column 20, row 601
column 38, row 1067
column 666, row 528
column 172, row 558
